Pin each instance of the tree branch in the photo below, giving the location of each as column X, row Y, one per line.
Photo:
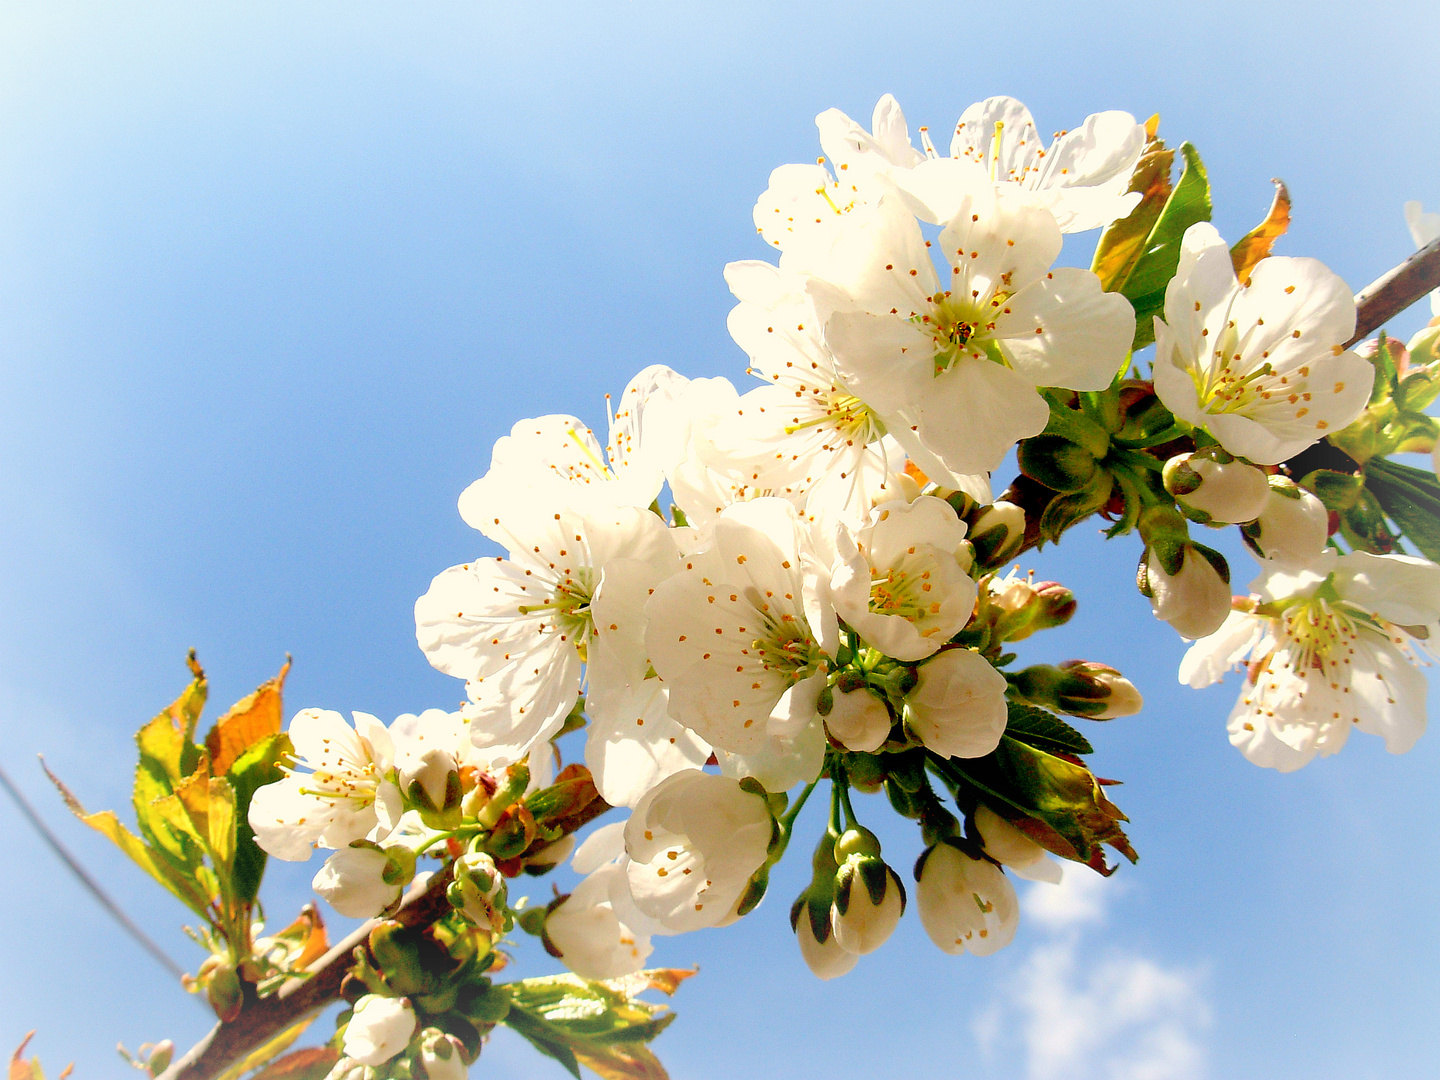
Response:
column 1393, row 292
column 261, row 1019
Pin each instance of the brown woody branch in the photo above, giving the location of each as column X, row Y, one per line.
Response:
column 261, row 1019
column 1393, row 292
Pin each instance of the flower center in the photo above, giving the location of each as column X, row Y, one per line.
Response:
column 1319, row 628
column 953, row 323
column 901, row 591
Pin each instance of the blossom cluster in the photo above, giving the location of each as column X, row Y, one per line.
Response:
column 740, row 593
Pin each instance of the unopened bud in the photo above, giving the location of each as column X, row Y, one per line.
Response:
column 160, row 1056
column 1079, row 688
column 1292, row 529
column 997, row 533
column 1210, row 485
column 378, row 1029
column 869, row 898
column 1007, row 844
column 478, row 892
column 431, row 781
column 966, row 903
column 349, row 1069
column 1026, row 607
column 442, row 1055
column 1424, row 347
column 222, row 987
column 1191, row 593
column 858, row 720
column 825, row 958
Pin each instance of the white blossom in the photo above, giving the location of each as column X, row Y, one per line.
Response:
column 957, row 708
column 354, row 882
column 825, row 961
column 1327, row 649
column 443, row 1057
column 599, row 931
column 858, row 720
column 379, row 1028
column 966, row 904
column 1293, row 528
column 1260, row 364
column 861, row 924
column 693, row 842
column 518, row 628
column 951, row 367
column 742, row 636
column 900, row 583
column 343, row 797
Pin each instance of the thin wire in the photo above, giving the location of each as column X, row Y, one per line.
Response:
column 85, row 879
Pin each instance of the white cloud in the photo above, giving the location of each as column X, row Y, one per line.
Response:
column 1077, row 1010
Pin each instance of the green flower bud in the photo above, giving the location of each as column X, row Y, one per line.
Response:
column 997, row 533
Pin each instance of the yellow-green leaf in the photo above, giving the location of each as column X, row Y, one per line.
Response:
column 222, row 824
column 253, row 718
column 180, row 884
column 1123, row 242
column 1256, row 244
column 622, row 1061
column 167, row 748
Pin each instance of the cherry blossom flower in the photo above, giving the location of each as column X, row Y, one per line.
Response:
column 597, row 928
column 957, row 708
column 379, row 1028
column 1260, row 364
column 518, row 629
column 694, row 841
column 966, row 904
column 1327, row 649
column 900, row 583
column 345, row 795
column 743, row 635
column 951, row 368
column 1424, row 229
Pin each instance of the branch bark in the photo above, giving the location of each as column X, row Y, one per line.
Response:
column 1393, row 292
column 261, row 1019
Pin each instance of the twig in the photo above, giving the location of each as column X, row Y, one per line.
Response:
column 261, row 1019
column 1393, row 292
column 86, row 880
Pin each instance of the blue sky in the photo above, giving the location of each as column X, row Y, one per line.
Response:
column 274, row 277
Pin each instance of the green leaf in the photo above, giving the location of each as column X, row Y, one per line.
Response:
column 1188, row 204
column 1411, row 499
column 541, row 1035
column 1123, row 242
column 1044, row 730
column 167, row 748
column 1057, row 803
column 602, row 1024
column 257, row 766
column 177, row 881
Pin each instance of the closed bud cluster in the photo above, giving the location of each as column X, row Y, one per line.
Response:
column 1079, row 688
column 869, row 898
column 478, row 892
column 1210, row 485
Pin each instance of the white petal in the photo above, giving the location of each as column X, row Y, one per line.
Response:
column 1064, row 330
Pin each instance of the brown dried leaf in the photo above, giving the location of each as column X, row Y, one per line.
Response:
column 249, row 720
column 1256, row 244
column 666, row 980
